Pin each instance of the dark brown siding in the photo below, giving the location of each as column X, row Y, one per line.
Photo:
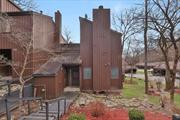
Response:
column 116, row 60
column 34, row 26
column 46, row 83
column 86, row 51
column 43, row 36
column 101, row 49
column 43, row 31
column 53, row 85
column 22, row 26
column 7, row 6
column 59, row 85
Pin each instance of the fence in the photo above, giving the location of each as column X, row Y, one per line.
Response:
column 27, row 99
column 28, row 92
column 58, row 100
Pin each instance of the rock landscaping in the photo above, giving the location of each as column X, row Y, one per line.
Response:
column 109, row 110
column 114, row 101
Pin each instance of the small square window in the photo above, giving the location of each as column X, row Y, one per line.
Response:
column 87, row 73
column 114, row 73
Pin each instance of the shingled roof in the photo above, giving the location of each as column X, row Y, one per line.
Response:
column 52, row 66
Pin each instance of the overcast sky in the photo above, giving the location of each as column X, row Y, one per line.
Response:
column 72, row 9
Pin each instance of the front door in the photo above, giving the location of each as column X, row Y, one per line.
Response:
column 75, row 76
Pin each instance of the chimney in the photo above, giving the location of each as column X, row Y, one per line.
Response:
column 101, row 16
column 58, row 25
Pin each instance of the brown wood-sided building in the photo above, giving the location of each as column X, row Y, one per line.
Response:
column 95, row 64
column 44, row 32
column 100, row 51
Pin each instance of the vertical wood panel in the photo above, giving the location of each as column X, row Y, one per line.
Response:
column 101, row 49
column 86, row 51
column 43, row 38
column 7, row 6
column 21, row 24
column 116, row 60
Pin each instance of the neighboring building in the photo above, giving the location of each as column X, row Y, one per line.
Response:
column 95, row 64
column 160, row 68
column 44, row 32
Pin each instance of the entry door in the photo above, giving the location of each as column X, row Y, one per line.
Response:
column 75, row 76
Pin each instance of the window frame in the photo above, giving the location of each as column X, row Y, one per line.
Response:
column 115, row 72
column 87, row 73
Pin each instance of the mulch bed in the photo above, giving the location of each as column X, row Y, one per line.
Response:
column 114, row 114
column 177, row 91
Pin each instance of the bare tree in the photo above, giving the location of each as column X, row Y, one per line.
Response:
column 164, row 17
column 67, row 35
column 26, row 4
column 128, row 24
column 132, row 56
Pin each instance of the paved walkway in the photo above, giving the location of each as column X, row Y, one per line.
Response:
column 53, row 108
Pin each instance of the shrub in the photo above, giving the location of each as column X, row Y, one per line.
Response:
column 77, row 117
column 97, row 109
column 136, row 115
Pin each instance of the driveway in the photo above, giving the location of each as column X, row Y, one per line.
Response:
column 154, row 78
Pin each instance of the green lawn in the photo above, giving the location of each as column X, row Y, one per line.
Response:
column 140, row 71
column 137, row 91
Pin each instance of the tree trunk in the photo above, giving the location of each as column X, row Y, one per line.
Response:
column 21, row 87
column 21, row 91
column 168, row 80
column 131, row 81
column 172, row 88
column 174, row 75
column 145, row 49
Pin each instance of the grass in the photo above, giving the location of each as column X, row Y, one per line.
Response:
column 177, row 100
column 140, row 71
column 137, row 91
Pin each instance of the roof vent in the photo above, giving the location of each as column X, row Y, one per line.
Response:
column 101, row 7
column 86, row 16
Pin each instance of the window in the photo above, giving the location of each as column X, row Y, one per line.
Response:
column 6, row 53
column 87, row 73
column 114, row 73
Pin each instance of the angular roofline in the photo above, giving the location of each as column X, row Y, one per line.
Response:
column 116, row 31
column 81, row 18
column 15, row 5
column 21, row 13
